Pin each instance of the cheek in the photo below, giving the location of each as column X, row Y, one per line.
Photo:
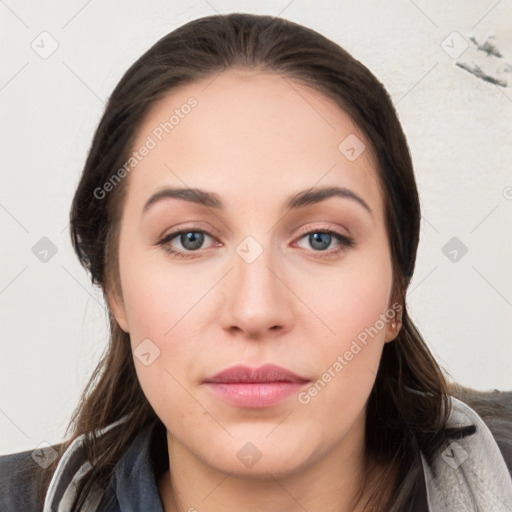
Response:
column 350, row 298
column 160, row 308
column 171, row 308
column 349, row 328
column 156, row 295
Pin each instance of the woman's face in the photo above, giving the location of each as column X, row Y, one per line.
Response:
column 260, row 280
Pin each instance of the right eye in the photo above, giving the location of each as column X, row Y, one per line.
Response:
column 190, row 239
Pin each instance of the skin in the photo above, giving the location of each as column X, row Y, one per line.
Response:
column 254, row 139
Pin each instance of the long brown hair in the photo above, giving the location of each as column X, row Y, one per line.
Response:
column 409, row 403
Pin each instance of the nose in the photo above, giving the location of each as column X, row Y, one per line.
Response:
column 257, row 297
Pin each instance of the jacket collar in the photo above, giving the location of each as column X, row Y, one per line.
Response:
column 133, row 486
column 135, row 479
column 469, row 473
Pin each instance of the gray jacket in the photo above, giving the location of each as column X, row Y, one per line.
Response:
column 473, row 473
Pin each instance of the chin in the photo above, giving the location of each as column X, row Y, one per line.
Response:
column 256, row 456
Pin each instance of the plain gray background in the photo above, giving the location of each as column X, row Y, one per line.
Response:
column 60, row 62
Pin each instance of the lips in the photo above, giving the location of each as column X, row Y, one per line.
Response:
column 256, row 388
column 266, row 373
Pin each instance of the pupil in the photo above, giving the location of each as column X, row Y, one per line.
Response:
column 194, row 237
column 320, row 240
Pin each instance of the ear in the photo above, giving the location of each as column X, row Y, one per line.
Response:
column 116, row 307
column 393, row 327
column 394, row 324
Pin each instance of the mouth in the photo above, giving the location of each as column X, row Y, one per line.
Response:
column 255, row 388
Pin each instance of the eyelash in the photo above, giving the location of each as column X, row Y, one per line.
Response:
column 345, row 242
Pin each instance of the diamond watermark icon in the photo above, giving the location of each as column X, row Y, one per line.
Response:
column 44, row 250
column 454, row 249
column 249, row 454
column 454, row 45
column 44, row 454
column 249, row 249
column 351, row 147
column 454, row 455
column 44, row 45
column 146, row 352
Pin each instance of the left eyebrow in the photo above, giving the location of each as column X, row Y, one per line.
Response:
column 316, row 195
column 294, row 202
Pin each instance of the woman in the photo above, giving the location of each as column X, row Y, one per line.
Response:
column 249, row 209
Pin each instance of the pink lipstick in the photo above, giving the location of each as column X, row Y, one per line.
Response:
column 259, row 387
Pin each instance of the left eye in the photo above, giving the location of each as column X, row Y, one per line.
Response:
column 322, row 239
column 192, row 240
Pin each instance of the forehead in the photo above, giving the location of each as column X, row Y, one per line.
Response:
column 249, row 134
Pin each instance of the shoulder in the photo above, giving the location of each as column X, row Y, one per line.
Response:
column 495, row 409
column 472, row 469
column 19, row 478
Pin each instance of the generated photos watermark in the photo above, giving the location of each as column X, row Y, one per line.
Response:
column 151, row 142
column 355, row 348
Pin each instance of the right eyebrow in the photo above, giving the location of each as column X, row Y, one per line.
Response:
column 193, row 195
